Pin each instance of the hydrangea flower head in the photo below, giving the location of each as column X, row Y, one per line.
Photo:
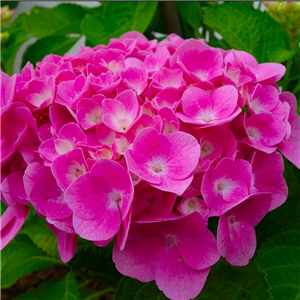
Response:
column 140, row 143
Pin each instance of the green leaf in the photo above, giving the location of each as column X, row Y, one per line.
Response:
column 21, row 257
column 235, row 283
column 191, row 12
column 49, row 45
column 97, row 261
column 62, row 289
column 9, row 52
column 280, row 259
column 118, row 18
column 247, row 29
column 60, row 20
column 41, row 235
column 132, row 289
column 3, row 207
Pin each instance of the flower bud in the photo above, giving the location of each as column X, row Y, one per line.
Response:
column 5, row 14
column 272, row 6
column 4, row 36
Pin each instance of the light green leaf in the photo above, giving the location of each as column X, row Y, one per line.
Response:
column 21, row 257
column 132, row 289
column 118, row 18
column 60, row 20
column 48, row 45
column 247, row 29
column 62, row 289
column 41, row 235
column 280, row 259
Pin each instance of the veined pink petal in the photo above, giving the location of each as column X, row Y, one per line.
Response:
column 185, row 283
column 236, row 236
column 236, row 242
column 98, row 229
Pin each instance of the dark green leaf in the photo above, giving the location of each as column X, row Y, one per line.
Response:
column 3, row 207
column 247, row 29
column 40, row 234
column 20, row 257
column 118, row 18
column 11, row 4
column 60, row 20
column 87, row 294
column 192, row 14
column 280, row 259
column 132, row 289
column 49, row 45
column 62, row 289
column 157, row 24
column 235, row 283
column 97, row 261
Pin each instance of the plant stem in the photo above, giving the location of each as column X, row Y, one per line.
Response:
column 100, row 293
column 171, row 17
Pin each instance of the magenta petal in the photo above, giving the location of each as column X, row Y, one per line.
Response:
column 29, row 177
column 68, row 167
column 67, row 243
column 20, row 127
column 7, row 88
column 176, row 279
column 195, row 242
column 225, row 101
column 140, row 170
column 236, row 241
column 11, row 225
column 13, row 192
column 193, row 100
column 184, row 155
column 177, row 186
column 102, row 228
column 264, row 131
column 139, row 258
column 122, row 235
column 107, row 188
column 290, row 148
column 47, row 197
column 150, row 202
column 269, row 72
column 279, row 191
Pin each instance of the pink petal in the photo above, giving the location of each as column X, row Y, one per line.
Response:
column 236, row 241
column 176, row 279
column 98, row 229
column 11, row 225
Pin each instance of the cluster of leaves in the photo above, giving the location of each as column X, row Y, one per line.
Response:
column 274, row 272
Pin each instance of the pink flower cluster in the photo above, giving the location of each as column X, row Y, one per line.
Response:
column 142, row 142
